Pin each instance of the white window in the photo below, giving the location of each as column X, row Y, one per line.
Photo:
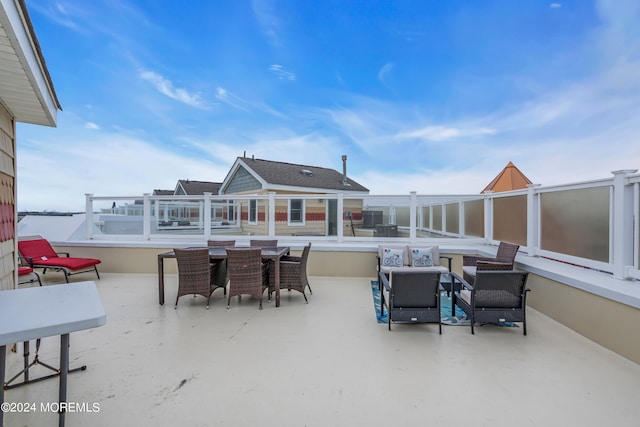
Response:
column 296, row 212
column 253, row 211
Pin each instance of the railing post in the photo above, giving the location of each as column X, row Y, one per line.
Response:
column 443, row 223
column 207, row 216
column 272, row 214
column 461, row 227
column 88, row 209
column 412, row 216
column 146, row 217
column 488, row 216
column 340, row 215
column 533, row 220
column 622, row 219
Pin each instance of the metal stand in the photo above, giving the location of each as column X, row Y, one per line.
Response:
column 36, row 361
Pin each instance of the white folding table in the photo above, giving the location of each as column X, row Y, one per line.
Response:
column 32, row 313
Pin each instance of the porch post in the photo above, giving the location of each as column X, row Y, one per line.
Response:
column 412, row 217
column 88, row 209
column 533, row 219
column 272, row 214
column 340, row 215
column 621, row 253
column 146, row 217
column 207, row 216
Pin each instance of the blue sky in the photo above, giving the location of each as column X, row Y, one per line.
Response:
column 428, row 96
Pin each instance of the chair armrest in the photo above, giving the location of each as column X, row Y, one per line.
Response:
column 384, row 281
column 30, row 261
column 463, row 282
column 66, row 254
column 493, row 265
column 379, row 260
column 449, row 259
column 290, row 258
column 472, row 260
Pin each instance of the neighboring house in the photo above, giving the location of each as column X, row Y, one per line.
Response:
column 304, row 216
column 186, row 187
column 27, row 95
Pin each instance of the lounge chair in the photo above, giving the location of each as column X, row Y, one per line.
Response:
column 38, row 253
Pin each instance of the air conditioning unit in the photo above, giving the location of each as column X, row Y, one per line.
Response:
column 371, row 218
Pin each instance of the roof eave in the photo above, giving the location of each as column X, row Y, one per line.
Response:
column 35, row 79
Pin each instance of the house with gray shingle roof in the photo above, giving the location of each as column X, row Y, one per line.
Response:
column 187, row 187
column 294, row 216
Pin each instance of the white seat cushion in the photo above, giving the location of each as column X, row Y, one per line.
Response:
column 465, row 295
column 469, row 269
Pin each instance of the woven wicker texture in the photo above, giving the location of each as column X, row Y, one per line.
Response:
column 248, row 275
column 413, row 297
column 504, row 259
column 221, row 243
column 262, row 243
column 293, row 273
column 195, row 273
column 497, row 296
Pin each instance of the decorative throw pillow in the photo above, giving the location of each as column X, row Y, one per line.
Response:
column 392, row 257
column 421, row 257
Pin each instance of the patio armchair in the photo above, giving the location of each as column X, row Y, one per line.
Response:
column 504, row 259
column 38, row 253
column 293, row 273
column 411, row 297
column 248, row 274
column 196, row 275
column 496, row 296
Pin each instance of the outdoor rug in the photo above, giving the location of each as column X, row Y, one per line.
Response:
column 460, row 318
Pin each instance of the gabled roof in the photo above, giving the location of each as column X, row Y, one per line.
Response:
column 293, row 177
column 197, row 188
column 163, row 192
column 26, row 89
column 511, row 178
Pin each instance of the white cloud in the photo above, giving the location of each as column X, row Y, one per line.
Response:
column 165, row 87
column 91, row 125
column 268, row 21
column 385, row 73
column 282, row 74
column 555, row 5
column 442, row 133
column 108, row 164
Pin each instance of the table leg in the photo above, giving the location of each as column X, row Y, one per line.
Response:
column 64, row 370
column 3, row 355
column 161, row 279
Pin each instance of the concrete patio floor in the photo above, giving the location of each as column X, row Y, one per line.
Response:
column 326, row 363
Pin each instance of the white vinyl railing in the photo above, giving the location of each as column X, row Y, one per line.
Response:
column 593, row 224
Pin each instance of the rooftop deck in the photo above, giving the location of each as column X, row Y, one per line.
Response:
column 326, row 363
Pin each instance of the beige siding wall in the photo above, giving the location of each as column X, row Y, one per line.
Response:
column 7, row 201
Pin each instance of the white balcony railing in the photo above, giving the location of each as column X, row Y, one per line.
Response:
column 593, row 224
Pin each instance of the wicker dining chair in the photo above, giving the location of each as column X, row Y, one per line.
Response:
column 221, row 275
column 196, row 275
column 221, row 243
column 293, row 273
column 248, row 274
column 263, row 243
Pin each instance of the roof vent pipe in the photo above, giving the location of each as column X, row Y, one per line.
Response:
column 344, row 170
